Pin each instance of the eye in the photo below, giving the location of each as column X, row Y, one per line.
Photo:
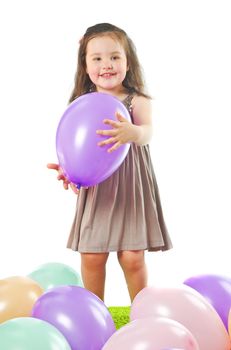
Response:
column 115, row 57
column 96, row 58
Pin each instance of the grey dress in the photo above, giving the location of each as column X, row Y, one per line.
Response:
column 124, row 211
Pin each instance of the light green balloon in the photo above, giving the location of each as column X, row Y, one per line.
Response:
column 51, row 275
column 27, row 333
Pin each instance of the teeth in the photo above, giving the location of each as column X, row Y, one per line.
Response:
column 107, row 74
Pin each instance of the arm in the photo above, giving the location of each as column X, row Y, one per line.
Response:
column 142, row 116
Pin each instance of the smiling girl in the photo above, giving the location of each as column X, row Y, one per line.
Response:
column 122, row 213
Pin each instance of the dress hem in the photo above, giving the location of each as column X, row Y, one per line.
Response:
column 116, row 249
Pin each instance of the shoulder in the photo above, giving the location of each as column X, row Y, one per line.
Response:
column 140, row 99
column 141, row 109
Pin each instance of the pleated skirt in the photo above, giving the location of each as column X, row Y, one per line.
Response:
column 123, row 212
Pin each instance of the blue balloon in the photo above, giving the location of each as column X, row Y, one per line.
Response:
column 27, row 333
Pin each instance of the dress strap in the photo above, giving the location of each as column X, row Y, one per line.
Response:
column 128, row 102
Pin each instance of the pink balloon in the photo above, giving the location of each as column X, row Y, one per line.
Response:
column 216, row 289
column 152, row 333
column 82, row 160
column 186, row 306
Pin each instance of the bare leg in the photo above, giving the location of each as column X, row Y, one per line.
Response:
column 134, row 268
column 93, row 269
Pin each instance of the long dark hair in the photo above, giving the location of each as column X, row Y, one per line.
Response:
column 133, row 82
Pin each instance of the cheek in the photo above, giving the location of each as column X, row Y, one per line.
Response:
column 124, row 72
column 92, row 74
column 90, row 67
column 93, row 71
column 123, row 69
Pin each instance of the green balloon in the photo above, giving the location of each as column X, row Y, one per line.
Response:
column 27, row 333
column 51, row 275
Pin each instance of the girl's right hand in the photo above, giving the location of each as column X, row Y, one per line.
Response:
column 61, row 176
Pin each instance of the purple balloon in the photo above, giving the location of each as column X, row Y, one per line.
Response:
column 78, row 314
column 82, row 160
column 217, row 290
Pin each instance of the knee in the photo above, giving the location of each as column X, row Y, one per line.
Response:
column 94, row 260
column 131, row 260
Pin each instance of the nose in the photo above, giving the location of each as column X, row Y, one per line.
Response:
column 107, row 64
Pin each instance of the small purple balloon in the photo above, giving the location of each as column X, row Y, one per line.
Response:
column 78, row 314
column 82, row 160
column 217, row 290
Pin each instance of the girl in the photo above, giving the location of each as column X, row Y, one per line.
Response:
column 123, row 213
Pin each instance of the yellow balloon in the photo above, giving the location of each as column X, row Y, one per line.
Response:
column 17, row 297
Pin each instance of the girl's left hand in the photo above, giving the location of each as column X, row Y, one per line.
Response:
column 123, row 132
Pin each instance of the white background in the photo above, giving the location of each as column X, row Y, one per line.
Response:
column 184, row 48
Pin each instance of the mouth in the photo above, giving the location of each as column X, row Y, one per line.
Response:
column 107, row 75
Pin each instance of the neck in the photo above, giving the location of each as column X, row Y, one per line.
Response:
column 119, row 92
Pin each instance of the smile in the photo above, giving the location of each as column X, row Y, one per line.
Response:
column 107, row 75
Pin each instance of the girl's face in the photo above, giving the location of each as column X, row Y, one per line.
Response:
column 106, row 64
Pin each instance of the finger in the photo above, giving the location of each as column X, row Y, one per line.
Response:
column 106, row 132
column 62, row 177
column 107, row 142
column 115, row 147
column 111, row 122
column 53, row 166
column 120, row 117
column 65, row 185
column 74, row 188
